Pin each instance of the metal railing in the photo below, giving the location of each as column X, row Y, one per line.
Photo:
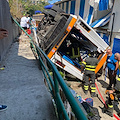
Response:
column 54, row 82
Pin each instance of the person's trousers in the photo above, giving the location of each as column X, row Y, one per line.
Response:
column 89, row 75
column 112, row 78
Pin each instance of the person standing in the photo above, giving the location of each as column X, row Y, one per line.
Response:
column 23, row 23
column 29, row 24
column 3, row 33
column 89, row 65
column 112, row 65
column 113, row 95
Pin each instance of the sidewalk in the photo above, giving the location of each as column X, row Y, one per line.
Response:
column 22, row 86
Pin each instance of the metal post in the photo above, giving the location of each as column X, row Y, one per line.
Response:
column 112, row 29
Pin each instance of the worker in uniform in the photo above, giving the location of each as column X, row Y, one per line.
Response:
column 89, row 65
column 113, row 99
column 113, row 95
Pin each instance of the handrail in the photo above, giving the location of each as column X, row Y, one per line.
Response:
column 54, row 82
column 75, row 106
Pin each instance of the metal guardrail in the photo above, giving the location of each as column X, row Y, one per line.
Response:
column 54, row 82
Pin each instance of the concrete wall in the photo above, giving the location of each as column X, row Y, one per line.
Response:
column 116, row 10
column 7, row 23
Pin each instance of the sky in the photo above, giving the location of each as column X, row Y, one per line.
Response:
column 52, row 1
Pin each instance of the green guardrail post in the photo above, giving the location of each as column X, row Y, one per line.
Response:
column 75, row 106
column 60, row 107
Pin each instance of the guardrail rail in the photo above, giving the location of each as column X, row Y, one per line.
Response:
column 60, row 92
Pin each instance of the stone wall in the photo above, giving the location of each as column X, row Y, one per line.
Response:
column 7, row 23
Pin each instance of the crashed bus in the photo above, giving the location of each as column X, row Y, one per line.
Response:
column 67, row 40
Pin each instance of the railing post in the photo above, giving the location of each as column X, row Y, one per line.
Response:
column 60, row 107
column 56, row 90
column 58, row 81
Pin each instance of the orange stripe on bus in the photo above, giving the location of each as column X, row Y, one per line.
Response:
column 54, row 49
column 100, row 64
column 52, row 52
column 71, row 24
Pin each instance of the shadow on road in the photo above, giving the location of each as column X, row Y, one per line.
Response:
column 103, row 83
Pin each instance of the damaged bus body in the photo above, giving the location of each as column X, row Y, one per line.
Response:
column 67, row 40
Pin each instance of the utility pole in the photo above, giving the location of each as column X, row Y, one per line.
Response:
column 111, row 33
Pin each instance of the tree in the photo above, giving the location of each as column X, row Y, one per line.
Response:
column 32, row 8
column 19, row 7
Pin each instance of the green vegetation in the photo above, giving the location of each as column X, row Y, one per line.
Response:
column 20, row 7
column 31, row 8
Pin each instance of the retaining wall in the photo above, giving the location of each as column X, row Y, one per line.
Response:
column 7, row 23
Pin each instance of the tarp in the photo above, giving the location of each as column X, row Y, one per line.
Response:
column 85, row 8
column 116, row 46
column 37, row 11
column 103, row 5
column 48, row 6
column 102, row 21
column 80, row 8
column 105, row 37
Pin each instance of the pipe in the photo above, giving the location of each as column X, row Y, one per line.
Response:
column 101, row 95
column 112, row 29
column 104, row 101
column 116, row 117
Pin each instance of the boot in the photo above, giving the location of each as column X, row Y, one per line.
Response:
column 118, row 114
column 85, row 89
column 93, row 94
column 86, row 92
column 109, row 111
column 104, row 109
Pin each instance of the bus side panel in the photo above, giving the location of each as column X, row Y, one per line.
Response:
column 57, row 45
